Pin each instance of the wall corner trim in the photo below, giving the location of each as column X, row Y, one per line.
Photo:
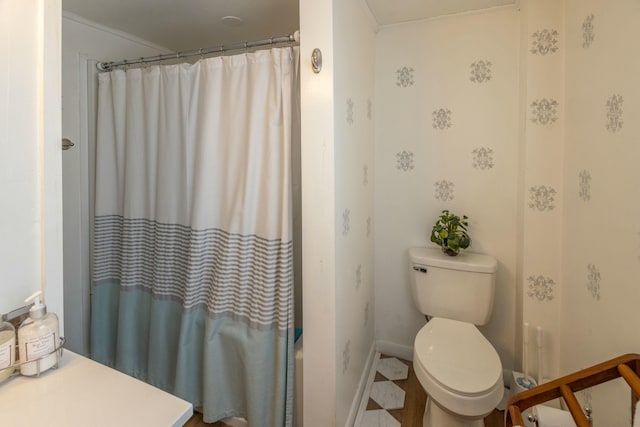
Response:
column 371, row 18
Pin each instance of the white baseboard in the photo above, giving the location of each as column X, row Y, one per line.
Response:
column 367, row 390
column 396, row 350
column 363, row 387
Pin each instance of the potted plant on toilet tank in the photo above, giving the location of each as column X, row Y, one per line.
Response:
column 450, row 233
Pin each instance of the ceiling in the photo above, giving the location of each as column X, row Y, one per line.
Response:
column 191, row 24
column 397, row 11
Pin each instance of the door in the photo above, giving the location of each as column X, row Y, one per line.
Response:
column 78, row 95
column 30, row 184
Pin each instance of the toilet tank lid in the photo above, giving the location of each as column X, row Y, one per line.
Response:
column 465, row 261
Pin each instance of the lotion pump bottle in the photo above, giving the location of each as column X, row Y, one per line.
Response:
column 38, row 338
column 7, row 349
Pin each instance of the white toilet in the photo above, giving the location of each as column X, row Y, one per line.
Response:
column 456, row 365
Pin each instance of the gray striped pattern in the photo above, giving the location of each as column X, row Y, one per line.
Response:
column 244, row 277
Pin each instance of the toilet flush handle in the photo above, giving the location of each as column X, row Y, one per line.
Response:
column 420, row 269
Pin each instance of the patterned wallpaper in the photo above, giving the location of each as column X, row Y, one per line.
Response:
column 445, row 130
column 442, row 119
column 543, row 80
column 446, row 138
column 354, row 112
column 359, row 196
column 602, row 240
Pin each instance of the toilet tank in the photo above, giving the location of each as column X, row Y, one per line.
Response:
column 459, row 288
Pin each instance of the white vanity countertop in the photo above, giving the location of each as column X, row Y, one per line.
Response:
column 82, row 392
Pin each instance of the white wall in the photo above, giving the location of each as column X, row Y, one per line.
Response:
column 31, row 244
column 318, row 215
column 354, row 50
column 337, row 201
column 542, row 172
column 83, row 43
column 422, row 68
column 600, row 296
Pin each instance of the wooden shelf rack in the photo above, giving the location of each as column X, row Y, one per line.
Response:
column 626, row 366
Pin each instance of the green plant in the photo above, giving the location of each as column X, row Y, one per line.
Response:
column 450, row 233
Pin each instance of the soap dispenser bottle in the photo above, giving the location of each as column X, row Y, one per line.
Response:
column 37, row 338
column 7, row 350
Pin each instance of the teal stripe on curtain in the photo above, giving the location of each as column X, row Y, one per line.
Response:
column 138, row 334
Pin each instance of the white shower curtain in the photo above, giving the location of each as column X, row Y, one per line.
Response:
column 192, row 273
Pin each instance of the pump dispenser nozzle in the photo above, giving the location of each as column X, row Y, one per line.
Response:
column 38, row 309
column 38, row 338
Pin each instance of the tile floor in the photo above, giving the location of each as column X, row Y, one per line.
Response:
column 397, row 399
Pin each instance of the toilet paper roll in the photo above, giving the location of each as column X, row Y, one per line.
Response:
column 552, row 417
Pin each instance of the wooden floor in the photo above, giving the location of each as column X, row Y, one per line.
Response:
column 196, row 421
column 409, row 416
column 493, row 420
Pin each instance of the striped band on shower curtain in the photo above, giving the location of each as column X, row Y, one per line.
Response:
column 192, row 272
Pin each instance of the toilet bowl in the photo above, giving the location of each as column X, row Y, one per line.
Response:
column 460, row 372
column 456, row 365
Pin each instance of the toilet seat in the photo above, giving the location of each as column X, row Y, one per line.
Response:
column 458, row 367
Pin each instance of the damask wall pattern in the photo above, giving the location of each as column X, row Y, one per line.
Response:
column 346, row 356
column 544, row 111
column 482, row 158
column 349, row 111
column 540, row 288
column 445, row 140
column 544, row 42
column 404, row 161
column 601, row 146
column 346, row 222
column 584, row 190
column 480, row 71
column 542, row 198
column 593, row 281
column 588, row 31
column 614, row 113
column 442, row 118
column 352, row 156
column 444, row 190
column 404, row 77
column 542, row 278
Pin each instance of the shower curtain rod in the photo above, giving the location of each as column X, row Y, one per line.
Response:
column 290, row 38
